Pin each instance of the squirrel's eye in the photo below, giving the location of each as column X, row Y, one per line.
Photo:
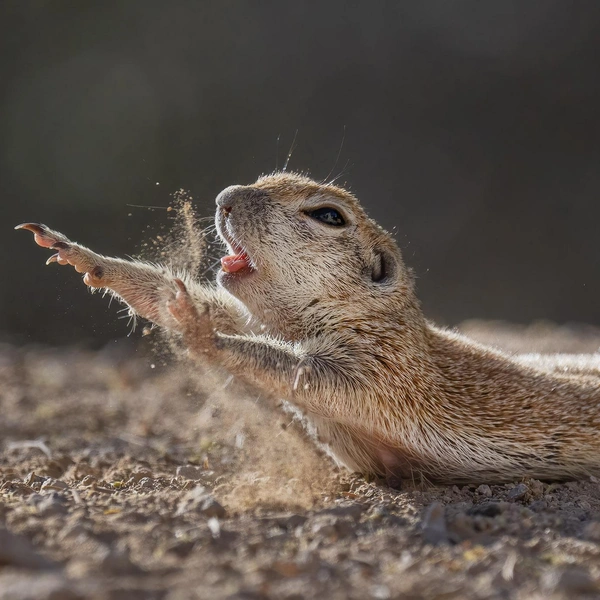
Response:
column 330, row 216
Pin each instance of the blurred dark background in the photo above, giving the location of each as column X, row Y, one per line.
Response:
column 471, row 128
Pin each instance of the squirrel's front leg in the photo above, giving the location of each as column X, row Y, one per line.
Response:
column 144, row 287
column 302, row 373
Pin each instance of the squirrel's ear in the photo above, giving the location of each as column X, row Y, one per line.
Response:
column 383, row 267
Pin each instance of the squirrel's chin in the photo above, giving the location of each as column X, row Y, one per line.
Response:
column 231, row 280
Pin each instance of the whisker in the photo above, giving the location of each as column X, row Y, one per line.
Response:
column 209, row 218
column 277, row 153
column 217, row 262
column 132, row 322
column 337, row 158
column 341, row 173
column 209, row 229
column 292, row 147
column 144, row 206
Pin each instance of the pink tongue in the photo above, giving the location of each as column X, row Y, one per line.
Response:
column 235, row 263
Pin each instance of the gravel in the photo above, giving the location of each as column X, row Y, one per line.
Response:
column 121, row 481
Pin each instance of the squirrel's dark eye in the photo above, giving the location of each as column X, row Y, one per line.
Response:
column 330, row 216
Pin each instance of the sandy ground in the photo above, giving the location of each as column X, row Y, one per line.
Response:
column 128, row 475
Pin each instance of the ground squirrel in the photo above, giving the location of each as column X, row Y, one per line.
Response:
column 314, row 305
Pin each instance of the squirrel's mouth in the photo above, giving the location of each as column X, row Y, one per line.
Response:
column 237, row 262
column 234, row 263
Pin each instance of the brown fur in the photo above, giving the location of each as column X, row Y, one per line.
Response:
column 387, row 392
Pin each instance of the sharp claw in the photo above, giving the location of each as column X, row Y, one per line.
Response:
column 36, row 228
column 44, row 237
column 52, row 259
column 180, row 285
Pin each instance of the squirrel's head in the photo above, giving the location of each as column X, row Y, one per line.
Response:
column 299, row 249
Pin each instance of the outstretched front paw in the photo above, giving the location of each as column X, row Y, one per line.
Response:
column 68, row 253
column 194, row 322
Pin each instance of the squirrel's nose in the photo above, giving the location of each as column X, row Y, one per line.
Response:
column 247, row 195
column 229, row 196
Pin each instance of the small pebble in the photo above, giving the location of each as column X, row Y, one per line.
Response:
column 137, row 476
column 54, row 484
column 484, row 490
column 189, row 472
column 145, row 483
column 434, row 524
column 197, row 500
column 518, row 492
column 538, row 505
column 34, row 478
column 536, row 488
